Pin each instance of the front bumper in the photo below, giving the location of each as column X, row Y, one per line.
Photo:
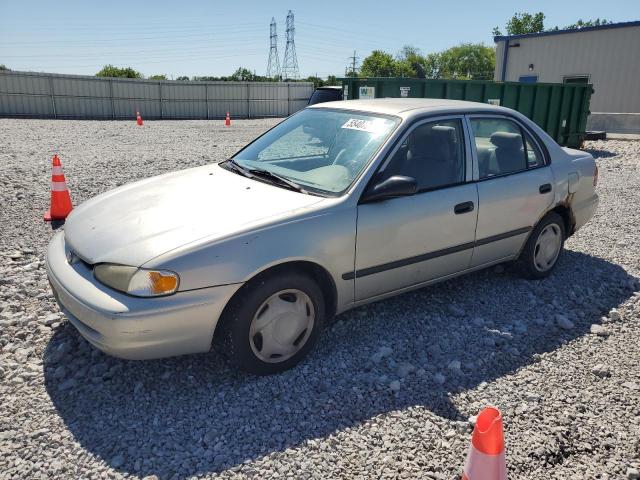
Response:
column 131, row 327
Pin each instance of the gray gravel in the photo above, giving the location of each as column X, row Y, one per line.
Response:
column 392, row 389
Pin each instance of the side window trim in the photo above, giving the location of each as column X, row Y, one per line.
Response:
column 523, row 129
column 466, row 151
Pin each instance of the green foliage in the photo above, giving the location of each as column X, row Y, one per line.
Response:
column 331, row 80
column 3, row 67
column 317, row 81
column 162, row 76
column 522, row 23
column 379, row 64
column 207, row 79
column 183, row 78
column 243, row 75
column 112, row 71
column 411, row 62
column 465, row 61
column 588, row 23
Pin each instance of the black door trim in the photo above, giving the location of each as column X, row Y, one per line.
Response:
column 428, row 256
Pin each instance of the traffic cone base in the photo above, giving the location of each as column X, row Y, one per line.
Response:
column 486, row 458
column 138, row 119
column 60, row 199
column 227, row 121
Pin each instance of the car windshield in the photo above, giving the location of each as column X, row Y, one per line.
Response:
column 320, row 150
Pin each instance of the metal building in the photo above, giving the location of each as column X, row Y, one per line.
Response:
column 606, row 56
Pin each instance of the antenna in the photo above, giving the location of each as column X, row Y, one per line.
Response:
column 290, row 63
column 273, row 67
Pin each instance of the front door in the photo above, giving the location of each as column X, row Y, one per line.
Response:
column 409, row 240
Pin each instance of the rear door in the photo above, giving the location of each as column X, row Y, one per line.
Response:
column 406, row 241
column 515, row 186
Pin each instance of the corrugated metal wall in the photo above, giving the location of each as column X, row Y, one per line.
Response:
column 608, row 57
column 47, row 95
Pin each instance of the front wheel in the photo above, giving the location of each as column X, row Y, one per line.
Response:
column 543, row 248
column 273, row 323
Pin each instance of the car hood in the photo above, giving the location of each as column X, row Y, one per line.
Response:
column 132, row 224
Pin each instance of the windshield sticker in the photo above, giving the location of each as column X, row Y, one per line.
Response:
column 370, row 126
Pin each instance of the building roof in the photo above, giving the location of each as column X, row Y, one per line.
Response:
column 499, row 38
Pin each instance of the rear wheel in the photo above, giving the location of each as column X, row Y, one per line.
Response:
column 273, row 323
column 544, row 246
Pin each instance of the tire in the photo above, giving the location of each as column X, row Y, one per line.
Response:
column 269, row 315
column 539, row 256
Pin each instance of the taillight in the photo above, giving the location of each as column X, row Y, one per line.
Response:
column 595, row 176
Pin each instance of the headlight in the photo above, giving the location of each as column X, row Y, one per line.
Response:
column 137, row 281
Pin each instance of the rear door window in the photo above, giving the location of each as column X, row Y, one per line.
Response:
column 500, row 147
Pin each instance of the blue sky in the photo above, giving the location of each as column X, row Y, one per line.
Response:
column 215, row 37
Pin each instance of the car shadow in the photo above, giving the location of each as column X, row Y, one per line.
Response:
column 600, row 153
column 194, row 415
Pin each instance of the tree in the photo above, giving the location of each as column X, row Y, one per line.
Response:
column 111, row 71
column 378, row 64
column 3, row 67
column 465, row 61
column 317, row 81
column 522, row 23
column 162, row 76
column 331, row 80
column 410, row 62
column 588, row 23
column 183, row 78
column 207, row 79
column 242, row 75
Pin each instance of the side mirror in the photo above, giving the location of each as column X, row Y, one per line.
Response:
column 396, row 186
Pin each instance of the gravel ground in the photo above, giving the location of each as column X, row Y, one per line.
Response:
column 389, row 392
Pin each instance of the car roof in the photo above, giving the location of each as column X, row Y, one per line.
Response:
column 405, row 107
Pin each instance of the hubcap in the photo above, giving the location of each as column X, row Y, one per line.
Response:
column 282, row 325
column 547, row 247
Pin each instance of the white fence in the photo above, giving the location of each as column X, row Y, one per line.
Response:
column 48, row 95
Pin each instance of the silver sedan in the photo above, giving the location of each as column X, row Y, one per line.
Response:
column 339, row 205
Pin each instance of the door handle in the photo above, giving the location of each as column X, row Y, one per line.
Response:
column 464, row 207
column 546, row 188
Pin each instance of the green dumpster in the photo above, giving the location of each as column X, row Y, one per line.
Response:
column 560, row 109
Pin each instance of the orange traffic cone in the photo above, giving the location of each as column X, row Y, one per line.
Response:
column 60, row 199
column 138, row 119
column 486, row 460
column 227, row 121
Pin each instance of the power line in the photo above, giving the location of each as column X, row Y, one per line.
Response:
column 290, row 68
column 273, row 66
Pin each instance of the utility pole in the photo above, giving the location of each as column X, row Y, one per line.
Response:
column 354, row 59
column 273, row 66
column 290, row 63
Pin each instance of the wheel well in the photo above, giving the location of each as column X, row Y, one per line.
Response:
column 313, row 270
column 567, row 216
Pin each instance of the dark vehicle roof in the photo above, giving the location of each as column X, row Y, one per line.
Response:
column 325, row 94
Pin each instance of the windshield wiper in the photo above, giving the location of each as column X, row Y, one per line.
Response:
column 236, row 167
column 258, row 172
